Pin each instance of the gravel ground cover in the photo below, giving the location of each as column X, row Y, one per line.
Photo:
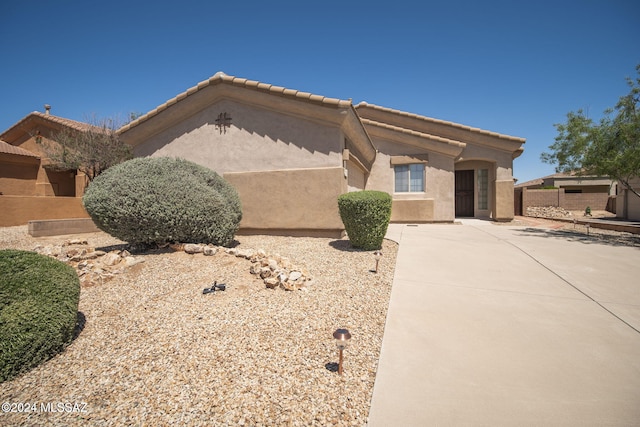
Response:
column 154, row 350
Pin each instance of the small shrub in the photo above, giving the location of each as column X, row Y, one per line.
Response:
column 38, row 310
column 156, row 200
column 365, row 215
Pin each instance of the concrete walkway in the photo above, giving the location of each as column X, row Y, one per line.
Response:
column 493, row 325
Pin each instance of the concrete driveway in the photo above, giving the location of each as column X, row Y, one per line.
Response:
column 493, row 325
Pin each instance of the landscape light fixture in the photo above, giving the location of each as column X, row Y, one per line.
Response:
column 342, row 337
column 575, row 221
column 378, row 256
column 588, row 226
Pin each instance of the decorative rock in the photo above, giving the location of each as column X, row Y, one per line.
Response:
column 273, row 264
column 247, row 253
column 282, row 277
column 255, row 268
column 111, row 259
column 192, row 248
column 210, row 250
column 295, row 275
column 131, row 261
column 265, row 272
column 271, row 282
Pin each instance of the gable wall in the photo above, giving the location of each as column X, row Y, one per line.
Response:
column 257, row 140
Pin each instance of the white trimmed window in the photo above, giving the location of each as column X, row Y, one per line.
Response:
column 409, row 178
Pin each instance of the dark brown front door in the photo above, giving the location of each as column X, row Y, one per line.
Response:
column 464, row 193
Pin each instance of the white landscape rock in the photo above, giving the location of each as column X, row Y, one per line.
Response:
column 192, row 248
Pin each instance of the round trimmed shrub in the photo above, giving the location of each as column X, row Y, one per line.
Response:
column 38, row 310
column 365, row 215
column 157, row 200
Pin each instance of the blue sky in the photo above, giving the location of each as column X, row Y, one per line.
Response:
column 513, row 67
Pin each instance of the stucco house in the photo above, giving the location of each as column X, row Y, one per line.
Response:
column 29, row 188
column 290, row 154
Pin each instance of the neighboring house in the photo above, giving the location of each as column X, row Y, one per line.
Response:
column 290, row 154
column 570, row 191
column 30, row 189
column 627, row 203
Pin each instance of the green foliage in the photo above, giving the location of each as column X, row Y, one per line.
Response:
column 365, row 215
column 609, row 148
column 159, row 200
column 38, row 310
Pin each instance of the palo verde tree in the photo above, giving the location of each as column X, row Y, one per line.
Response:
column 608, row 148
column 91, row 149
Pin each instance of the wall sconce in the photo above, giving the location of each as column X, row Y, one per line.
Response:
column 342, row 337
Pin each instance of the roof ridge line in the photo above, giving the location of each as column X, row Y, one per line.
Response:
column 439, row 121
column 414, row 133
column 221, row 77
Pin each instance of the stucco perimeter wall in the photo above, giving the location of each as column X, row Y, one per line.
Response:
column 19, row 210
column 290, row 202
column 257, row 139
column 504, row 200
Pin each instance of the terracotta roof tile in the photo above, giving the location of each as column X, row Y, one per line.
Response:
column 443, row 122
column 7, row 148
column 36, row 115
column 221, row 77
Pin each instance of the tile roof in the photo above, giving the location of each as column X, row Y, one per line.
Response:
column 7, row 148
column 442, row 122
column 36, row 115
column 414, row 133
column 221, row 77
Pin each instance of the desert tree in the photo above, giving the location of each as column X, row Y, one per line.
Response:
column 610, row 147
column 90, row 149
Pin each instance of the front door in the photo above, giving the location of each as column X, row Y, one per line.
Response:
column 464, row 193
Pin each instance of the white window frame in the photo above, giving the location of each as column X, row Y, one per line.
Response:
column 414, row 171
column 482, row 176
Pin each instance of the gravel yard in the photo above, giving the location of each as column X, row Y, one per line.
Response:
column 155, row 351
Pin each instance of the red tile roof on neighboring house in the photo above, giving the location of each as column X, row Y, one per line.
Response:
column 23, row 124
column 7, row 148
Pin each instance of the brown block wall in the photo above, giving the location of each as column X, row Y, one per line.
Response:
column 558, row 198
column 19, row 210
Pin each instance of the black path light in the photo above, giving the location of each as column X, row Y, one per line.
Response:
column 216, row 287
column 342, row 337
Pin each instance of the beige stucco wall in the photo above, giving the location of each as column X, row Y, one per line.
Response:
column 356, row 177
column 288, row 200
column 257, row 140
column 412, row 210
column 627, row 203
column 436, row 203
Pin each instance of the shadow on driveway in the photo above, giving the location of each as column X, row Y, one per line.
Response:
column 595, row 237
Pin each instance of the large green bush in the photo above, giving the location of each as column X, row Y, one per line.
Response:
column 365, row 215
column 155, row 200
column 38, row 309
